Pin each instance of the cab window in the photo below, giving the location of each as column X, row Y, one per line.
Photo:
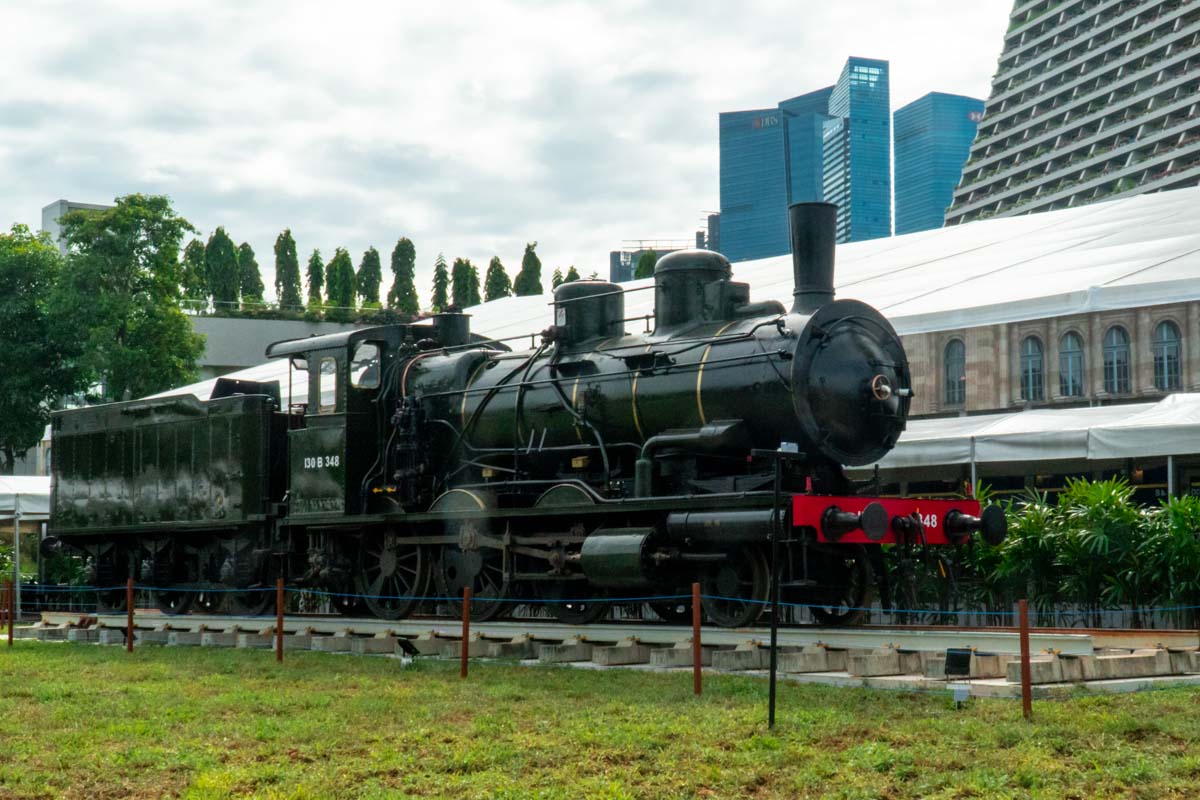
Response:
column 364, row 367
column 327, row 386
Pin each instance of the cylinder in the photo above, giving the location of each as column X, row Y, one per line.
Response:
column 814, row 233
column 617, row 559
column 721, row 527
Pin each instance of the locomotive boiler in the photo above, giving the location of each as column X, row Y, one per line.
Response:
column 597, row 462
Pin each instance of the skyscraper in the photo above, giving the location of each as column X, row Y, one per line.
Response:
column 933, row 138
column 831, row 144
column 1092, row 99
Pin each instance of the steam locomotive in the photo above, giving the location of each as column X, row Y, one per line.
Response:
column 427, row 458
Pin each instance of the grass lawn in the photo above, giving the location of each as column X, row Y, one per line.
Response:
column 93, row 722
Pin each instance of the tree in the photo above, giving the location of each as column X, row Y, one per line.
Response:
column 194, row 281
column 316, row 278
column 339, row 285
column 460, row 283
column 473, row 298
column 121, row 295
column 556, row 279
column 496, row 283
column 441, row 283
column 370, row 275
column 402, row 296
column 251, row 278
column 287, row 272
column 572, row 275
column 529, row 279
column 645, row 265
column 221, row 266
column 39, row 362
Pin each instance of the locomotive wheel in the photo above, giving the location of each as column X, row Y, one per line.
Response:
column 675, row 612
column 249, row 602
column 110, row 570
column 348, row 606
column 111, row 601
column 735, row 590
column 392, row 574
column 851, row 572
column 573, row 604
column 206, row 600
column 174, row 601
column 481, row 568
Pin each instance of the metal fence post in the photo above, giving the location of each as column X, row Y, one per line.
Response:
column 6, row 599
column 279, row 620
column 1026, row 678
column 697, row 649
column 129, row 615
column 466, row 631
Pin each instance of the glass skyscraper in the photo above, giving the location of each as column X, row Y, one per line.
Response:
column 933, row 139
column 833, row 144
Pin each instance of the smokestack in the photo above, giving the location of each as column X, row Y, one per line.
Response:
column 814, row 229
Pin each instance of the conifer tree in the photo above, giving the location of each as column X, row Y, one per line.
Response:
column 556, row 279
column 221, row 267
column 473, row 298
column 529, row 279
column 316, row 278
column 460, row 283
column 496, row 283
column 251, row 278
column 402, row 297
column 441, row 284
column 645, row 265
column 287, row 271
column 370, row 275
column 339, row 284
column 572, row 275
column 194, row 282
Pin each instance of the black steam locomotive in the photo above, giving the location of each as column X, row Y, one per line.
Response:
column 596, row 464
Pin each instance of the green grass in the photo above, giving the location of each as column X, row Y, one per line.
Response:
column 93, row 722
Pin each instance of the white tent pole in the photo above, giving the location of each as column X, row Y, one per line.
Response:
column 17, row 555
column 1170, row 476
column 974, row 475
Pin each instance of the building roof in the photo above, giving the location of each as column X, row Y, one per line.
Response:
column 1137, row 251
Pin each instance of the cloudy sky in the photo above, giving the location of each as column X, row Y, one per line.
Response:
column 469, row 127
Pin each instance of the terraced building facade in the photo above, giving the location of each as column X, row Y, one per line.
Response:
column 1091, row 100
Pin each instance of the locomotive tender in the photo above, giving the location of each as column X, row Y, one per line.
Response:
column 598, row 463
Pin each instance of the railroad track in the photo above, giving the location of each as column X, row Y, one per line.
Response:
column 925, row 639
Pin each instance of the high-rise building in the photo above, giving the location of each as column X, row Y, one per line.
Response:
column 933, row 136
column 832, row 144
column 1092, row 99
column 52, row 213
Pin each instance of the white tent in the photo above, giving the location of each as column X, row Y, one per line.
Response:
column 1167, row 428
column 26, row 496
column 23, row 499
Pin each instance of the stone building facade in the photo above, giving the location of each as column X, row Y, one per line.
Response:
column 1127, row 355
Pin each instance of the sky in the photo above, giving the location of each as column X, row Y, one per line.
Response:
column 470, row 127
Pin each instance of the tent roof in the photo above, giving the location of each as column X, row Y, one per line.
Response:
column 31, row 492
column 1169, row 427
column 1137, row 251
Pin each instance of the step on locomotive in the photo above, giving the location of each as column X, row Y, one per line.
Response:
column 598, row 464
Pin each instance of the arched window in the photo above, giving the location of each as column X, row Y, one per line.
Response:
column 955, row 372
column 1033, row 364
column 1167, row 376
column 1070, row 365
column 1116, row 361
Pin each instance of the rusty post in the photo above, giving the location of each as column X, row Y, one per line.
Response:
column 466, row 630
column 129, row 615
column 697, row 649
column 7, row 600
column 279, row 620
column 1026, row 679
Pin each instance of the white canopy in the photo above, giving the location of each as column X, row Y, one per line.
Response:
column 27, row 495
column 1167, row 428
column 1136, row 251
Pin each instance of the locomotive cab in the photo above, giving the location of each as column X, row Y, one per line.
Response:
column 332, row 446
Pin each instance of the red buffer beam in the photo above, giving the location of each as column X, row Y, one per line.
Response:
column 886, row 520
